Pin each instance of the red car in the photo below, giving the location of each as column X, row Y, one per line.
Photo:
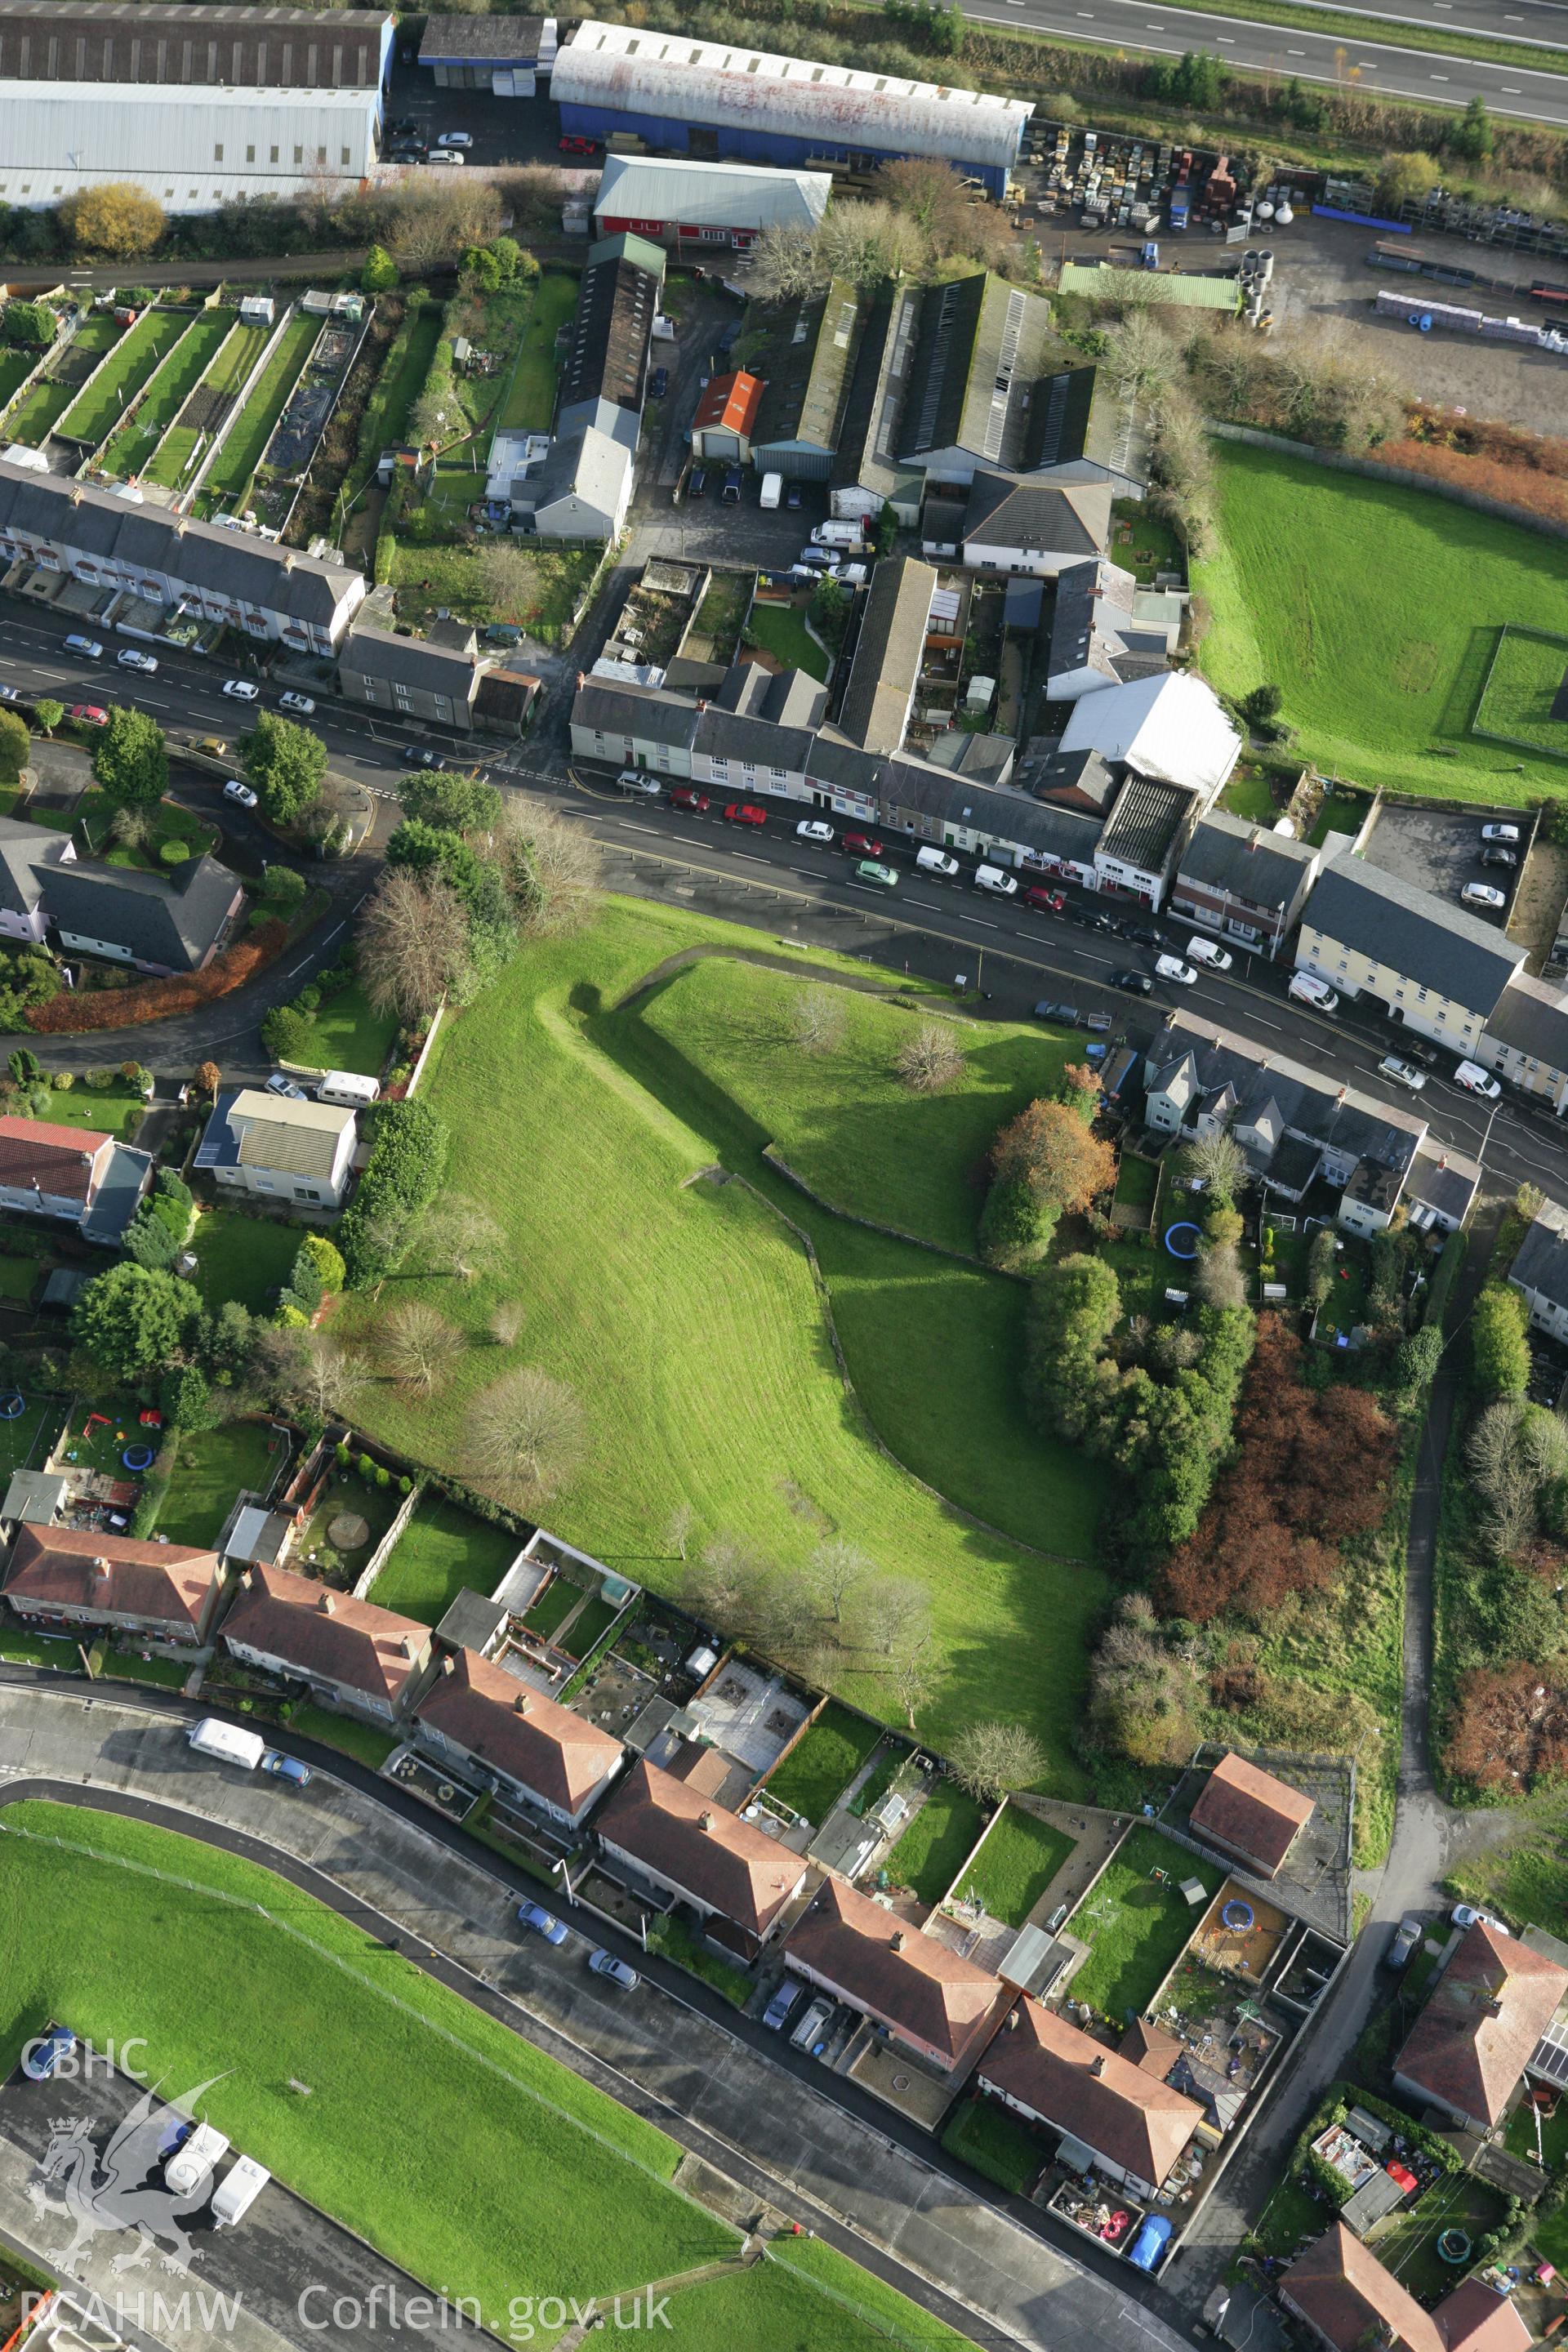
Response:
column 1049, row 902
column 89, row 714
column 861, row 844
column 570, row 145
column 746, row 812
column 685, row 798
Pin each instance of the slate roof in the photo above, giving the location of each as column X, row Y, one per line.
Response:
column 1541, row 1261
column 84, row 1568
column 1037, row 516
column 328, row 1634
column 987, row 757
column 125, row 1177
column 650, row 712
column 498, row 40
column 21, row 860
column 584, row 464
column 870, row 430
column 1144, row 823
column 1250, row 1811
column 789, row 697
column 982, row 346
column 1245, row 860
column 887, row 653
column 1446, row 1180
column 1122, row 2111
column 1079, row 780
column 1421, row 937
column 912, row 1982
column 1482, row 2019
column 472, row 1620
column 409, row 661
column 606, row 355
column 1204, row 1062
column 192, row 47
column 1532, row 1017
column 806, row 365
column 65, row 1160
column 1093, row 599
column 176, row 922
column 700, row 1845
column 518, row 1731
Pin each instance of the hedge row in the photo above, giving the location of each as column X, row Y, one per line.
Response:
column 155, row 1000
column 402, row 1175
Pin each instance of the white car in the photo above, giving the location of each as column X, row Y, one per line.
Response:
column 1465, row 1914
column 1169, row 967
column 1484, row 894
column 443, row 155
column 280, row 1083
column 636, row 779
column 241, row 793
column 455, row 138
column 240, row 689
column 133, row 659
column 1401, row 1074
column 1507, row 833
column 815, row 830
column 1308, row 989
column 301, row 705
column 1476, row 1081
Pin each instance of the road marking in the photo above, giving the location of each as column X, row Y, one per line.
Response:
column 1223, row 41
column 752, row 859
column 633, row 827
column 1509, row 91
column 1293, row 53
column 1437, row 77
column 980, row 923
column 932, row 905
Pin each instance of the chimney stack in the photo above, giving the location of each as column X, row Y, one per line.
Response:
column 449, row 1664
column 102, row 1570
column 326, row 1604
column 520, row 1703
column 1097, row 2063
column 705, row 1822
column 407, row 1645
column 897, row 1940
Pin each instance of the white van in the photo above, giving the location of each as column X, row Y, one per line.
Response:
column 992, row 879
column 237, row 2191
column 227, row 1743
column 1308, row 989
column 347, row 1087
column 839, row 534
column 935, row 861
column 807, row 2035
column 1202, row 951
column 190, row 2168
column 773, row 489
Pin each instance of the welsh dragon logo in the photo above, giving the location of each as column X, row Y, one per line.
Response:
column 123, row 2188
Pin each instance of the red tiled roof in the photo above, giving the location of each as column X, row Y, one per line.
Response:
column 329, row 1634
column 1350, row 2298
column 521, row 1731
column 1476, row 2319
column 730, row 401
column 913, row 1983
column 62, row 1567
column 1149, row 2047
column 1116, row 2108
column 701, row 1846
column 1488, row 2011
column 1250, row 1811
column 55, row 1159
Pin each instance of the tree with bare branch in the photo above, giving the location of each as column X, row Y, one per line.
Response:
column 783, row 265
column 326, row 1381
column 418, row 1347
column 817, row 1018
column 932, row 1060
column 457, row 1237
column 990, row 1758
column 413, row 943
column 507, row 1320
column 838, row 1569
column 553, row 868
column 893, row 1614
column 525, row 1435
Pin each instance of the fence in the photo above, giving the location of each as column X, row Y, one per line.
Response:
column 1401, row 476
column 1518, row 743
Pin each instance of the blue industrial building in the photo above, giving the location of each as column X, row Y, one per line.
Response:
column 706, row 100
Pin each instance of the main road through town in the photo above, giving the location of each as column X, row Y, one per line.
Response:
column 769, row 879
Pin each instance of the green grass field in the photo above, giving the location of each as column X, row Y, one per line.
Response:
column 819, row 1768
column 152, row 336
column 931, row 1852
column 166, row 394
column 997, row 2142
column 1376, row 609
column 14, row 369
column 530, row 403
column 40, row 413
column 241, row 453
column 248, row 1258
column 396, row 392
column 25, row 1442
column 1016, row 1865
column 212, row 1466
column 226, row 374
column 441, row 1552
column 84, row 1107
column 348, row 1033
column 781, row 631
column 684, row 1317
column 1525, row 679
column 1133, row 1924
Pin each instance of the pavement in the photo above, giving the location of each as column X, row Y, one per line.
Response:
column 811, row 2143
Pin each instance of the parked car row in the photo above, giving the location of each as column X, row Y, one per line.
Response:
column 1498, row 851
column 540, row 1922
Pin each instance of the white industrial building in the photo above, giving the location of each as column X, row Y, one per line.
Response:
column 684, row 203
column 196, row 105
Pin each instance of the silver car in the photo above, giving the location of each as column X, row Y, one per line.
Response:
column 301, row 705
column 604, row 1964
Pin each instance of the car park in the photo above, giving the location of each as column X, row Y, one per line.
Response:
column 240, row 689
column 1406, row 1936
column 540, row 1922
column 405, row 127
column 794, row 498
column 241, row 795
column 1469, row 1914
column 303, row 706
column 782, row 2001
column 456, row 138
column 637, row 780
column 605, row 1964
column 88, row 714
column 1308, row 989
column 745, row 812
column 1204, row 951
column 1172, row 968
column 287, row 1768
column 1476, row 1081
column 862, row 844
column 43, row 2058
column 1136, row 983
column 885, row 877
column 133, row 658
column 1506, row 858
column 1484, row 895
column 406, row 150
column 444, row 156
column 694, row 803
column 1401, row 1074
column 659, row 383
column 280, row 1083
column 812, row 828
column 1506, row 834
column 1049, row 902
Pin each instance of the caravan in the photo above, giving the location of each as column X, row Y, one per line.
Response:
column 227, row 1743
column 349, row 1089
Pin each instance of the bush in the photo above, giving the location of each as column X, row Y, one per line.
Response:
column 173, row 853
column 285, row 1035
column 407, row 1164
column 63, row 1081
column 154, row 1000
column 326, row 1261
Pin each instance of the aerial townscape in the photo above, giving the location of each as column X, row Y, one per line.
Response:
column 783, row 1176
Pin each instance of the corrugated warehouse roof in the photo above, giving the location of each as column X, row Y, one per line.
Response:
column 708, row 195
column 616, row 304
column 806, row 365
column 633, row 71
column 1100, row 282
column 123, row 41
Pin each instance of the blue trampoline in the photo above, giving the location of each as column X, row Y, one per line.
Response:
column 137, row 1457
column 1237, row 1916
column 1186, row 1255
column 13, row 1405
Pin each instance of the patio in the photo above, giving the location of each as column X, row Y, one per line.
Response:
column 750, row 1717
